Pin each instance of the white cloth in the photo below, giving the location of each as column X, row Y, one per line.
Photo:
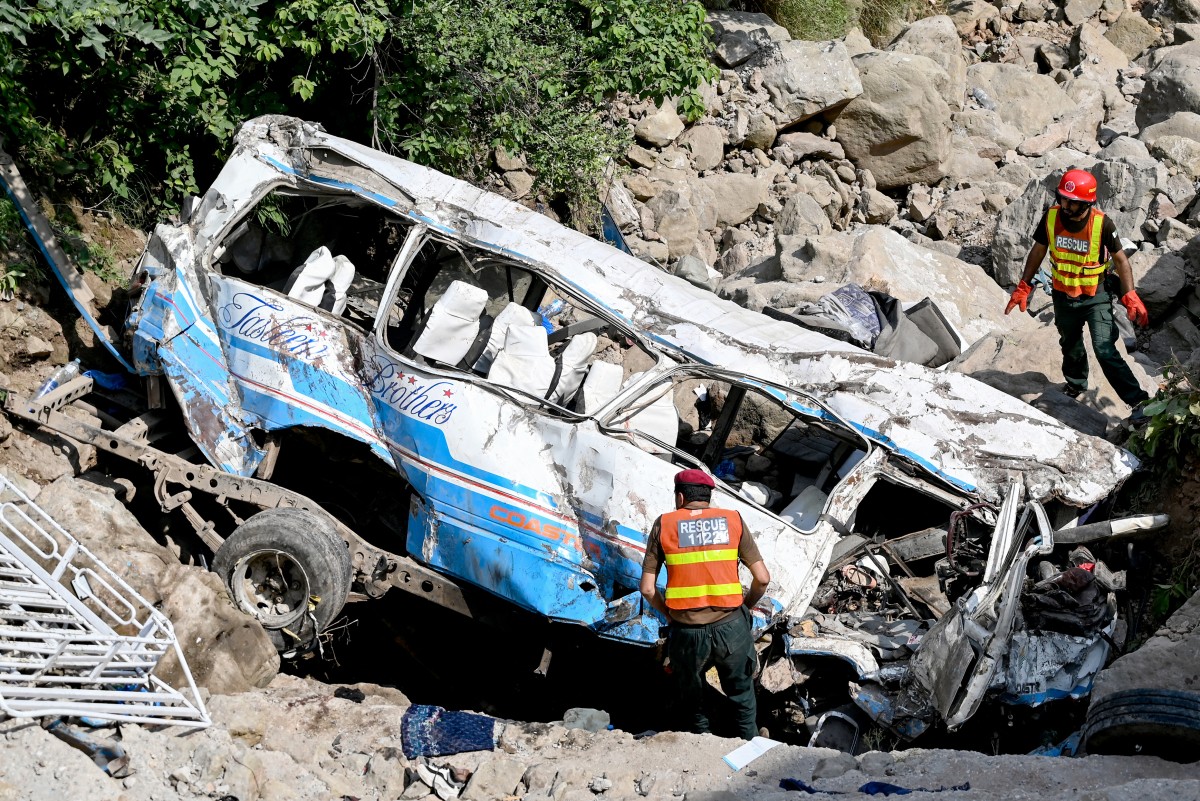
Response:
column 601, row 385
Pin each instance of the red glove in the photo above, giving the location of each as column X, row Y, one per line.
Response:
column 1137, row 310
column 1020, row 297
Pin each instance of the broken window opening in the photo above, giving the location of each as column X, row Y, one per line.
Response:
column 465, row 310
column 333, row 252
column 767, row 452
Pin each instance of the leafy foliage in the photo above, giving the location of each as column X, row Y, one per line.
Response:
column 1171, row 438
column 133, row 101
column 880, row 20
column 530, row 76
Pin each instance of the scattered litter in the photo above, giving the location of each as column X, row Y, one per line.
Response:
column 743, row 755
column 439, row 777
column 592, row 720
column 60, row 611
column 350, row 694
column 107, row 755
column 432, row 731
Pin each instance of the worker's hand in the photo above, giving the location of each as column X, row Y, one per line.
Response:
column 1020, row 297
column 1137, row 310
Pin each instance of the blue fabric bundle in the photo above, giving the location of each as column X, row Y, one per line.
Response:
column 432, row 731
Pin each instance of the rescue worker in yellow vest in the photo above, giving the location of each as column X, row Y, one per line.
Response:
column 1085, row 250
column 709, row 612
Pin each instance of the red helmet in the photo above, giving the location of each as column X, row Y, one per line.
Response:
column 696, row 477
column 1078, row 185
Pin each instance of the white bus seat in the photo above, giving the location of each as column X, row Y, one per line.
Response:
column 601, row 385
column 307, row 282
column 659, row 418
column 453, row 324
column 805, row 508
column 343, row 277
column 524, row 362
column 573, row 363
column 512, row 314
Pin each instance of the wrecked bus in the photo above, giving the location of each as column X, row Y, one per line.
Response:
column 395, row 379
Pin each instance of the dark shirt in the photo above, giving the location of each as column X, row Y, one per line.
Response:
column 748, row 554
column 1109, row 241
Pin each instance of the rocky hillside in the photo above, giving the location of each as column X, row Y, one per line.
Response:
column 918, row 168
column 922, row 167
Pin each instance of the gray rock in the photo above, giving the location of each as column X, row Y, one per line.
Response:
column 807, row 78
column 810, row 146
column 1124, row 147
column 1160, row 278
column 1174, row 235
column 1080, row 11
column 1025, row 101
column 1132, row 35
column 494, row 779
column 1180, row 151
column 736, row 46
column 986, row 124
column 595, row 720
column 937, row 39
column 1187, row 32
column 1125, row 190
column 898, row 128
column 37, row 348
column 706, row 144
column 660, row 127
column 729, row 21
column 1054, row 136
column 1095, row 55
column 875, row 763
column 831, row 767
column 968, row 15
column 737, row 195
column 1052, row 57
column 760, row 133
column 675, row 220
column 1171, row 87
column 695, row 271
column 505, row 162
column 856, row 42
column 1170, row 660
column 1185, row 123
column 802, row 216
column 1014, row 230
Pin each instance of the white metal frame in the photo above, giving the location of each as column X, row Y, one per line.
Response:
column 75, row 639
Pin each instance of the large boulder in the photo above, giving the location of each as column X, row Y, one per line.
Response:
column 806, row 78
column 1097, row 56
column 1024, row 100
column 1185, row 123
column 706, row 144
column 736, row 195
column 1181, row 151
column 1014, row 230
column 898, row 128
column 986, row 124
column 1131, row 34
column 1125, row 190
column 1171, row 87
column 659, row 127
column 937, row 39
column 228, row 652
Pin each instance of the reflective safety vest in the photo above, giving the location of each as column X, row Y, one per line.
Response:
column 1075, row 266
column 701, row 550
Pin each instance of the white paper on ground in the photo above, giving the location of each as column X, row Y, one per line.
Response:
column 743, row 755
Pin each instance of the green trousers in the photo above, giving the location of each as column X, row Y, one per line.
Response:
column 1070, row 314
column 727, row 645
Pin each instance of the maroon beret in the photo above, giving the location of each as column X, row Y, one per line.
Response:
column 693, row 476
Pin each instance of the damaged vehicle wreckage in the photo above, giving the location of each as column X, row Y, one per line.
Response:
column 392, row 378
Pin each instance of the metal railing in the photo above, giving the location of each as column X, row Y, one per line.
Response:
column 75, row 639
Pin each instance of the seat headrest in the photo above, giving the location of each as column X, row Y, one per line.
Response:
column 462, row 300
column 526, row 341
